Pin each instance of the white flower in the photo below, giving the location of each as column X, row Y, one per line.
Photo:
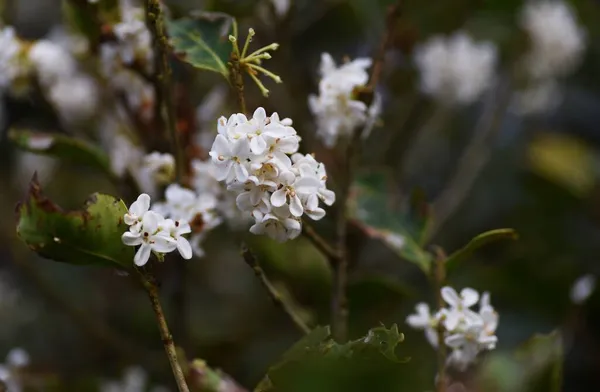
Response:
column 134, row 39
column 51, row 61
column 134, row 379
column 425, row 321
column 557, row 40
column 10, row 66
column 458, row 304
column 252, row 156
column 75, row 98
column 176, row 229
column 456, row 69
column 337, row 112
column 583, row 287
column 150, row 237
column 136, row 212
column 16, row 359
column 162, row 166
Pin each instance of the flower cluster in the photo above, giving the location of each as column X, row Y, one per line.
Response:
column 258, row 160
column 153, row 233
column 557, row 46
column 12, row 68
column 456, row 69
column 465, row 331
column 135, row 379
column 126, row 56
column 10, row 371
column 337, row 111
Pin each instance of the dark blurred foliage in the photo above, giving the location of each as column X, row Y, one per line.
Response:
column 536, row 182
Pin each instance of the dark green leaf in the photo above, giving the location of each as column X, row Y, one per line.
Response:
column 319, row 363
column 88, row 236
column 379, row 213
column 203, row 40
column 479, row 241
column 61, row 146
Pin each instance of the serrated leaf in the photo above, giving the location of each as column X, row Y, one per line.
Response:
column 90, row 236
column 202, row 40
column 379, row 216
column 373, row 355
column 61, row 146
column 477, row 242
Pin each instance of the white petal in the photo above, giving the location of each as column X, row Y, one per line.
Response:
column 452, row 319
column 278, row 198
column 221, row 146
column 241, row 173
column 450, row 296
column 142, row 255
column 260, row 115
column 469, row 297
column 141, row 205
column 163, row 244
column 131, row 239
column 150, row 222
column 327, row 196
column 455, row 341
column 258, row 145
column 316, row 214
column 184, row 248
column 296, row 206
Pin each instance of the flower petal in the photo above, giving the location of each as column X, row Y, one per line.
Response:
column 142, row 255
column 469, row 297
column 163, row 244
column 278, row 198
column 184, row 248
column 131, row 239
column 450, row 296
column 141, row 205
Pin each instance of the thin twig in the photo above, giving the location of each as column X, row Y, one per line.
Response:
column 167, row 339
column 278, row 300
column 473, row 160
column 319, row 242
column 438, row 281
column 237, row 80
column 163, row 83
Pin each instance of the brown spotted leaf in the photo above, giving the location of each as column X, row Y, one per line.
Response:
column 89, row 236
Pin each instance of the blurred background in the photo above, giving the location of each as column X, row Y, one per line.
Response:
column 531, row 166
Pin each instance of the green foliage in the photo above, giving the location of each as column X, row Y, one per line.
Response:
column 61, row 146
column 477, row 242
column 536, row 366
column 401, row 229
column 318, row 363
column 91, row 236
column 202, row 40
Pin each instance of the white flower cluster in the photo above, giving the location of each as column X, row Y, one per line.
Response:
column 153, row 233
column 12, row 68
column 456, row 69
column 10, row 371
column 132, row 48
column 72, row 93
column 135, row 379
column 257, row 158
column 465, row 331
column 557, row 47
column 337, row 111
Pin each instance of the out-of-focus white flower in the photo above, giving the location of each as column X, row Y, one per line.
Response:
column 135, row 41
column 338, row 113
column 135, row 379
column 281, row 7
column 456, row 69
column 76, row 44
column 51, row 62
column 162, row 167
column 583, row 287
column 252, row 156
column 10, row 69
column 74, row 98
column 558, row 42
column 466, row 332
column 540, row 97
column 16, row 360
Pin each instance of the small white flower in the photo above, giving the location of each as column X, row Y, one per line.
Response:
column 150, row 238
column 11, row 68
column 176, row 229
column 458, row 304
column 278, row 224
column 230, row 159
column 136, row 212
column 456, row 69
column 558, row 42
column 75, row 98
column 425, row 321
column 583, row 287
column 16, row 359
column 51, row 62
column 162, row 166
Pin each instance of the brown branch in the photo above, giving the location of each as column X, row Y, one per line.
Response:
column 393, row 13
column 277, row 299
column 237, row 80
column 167, row 338
column 163, row 83
column 438, row 280
column 319, row 242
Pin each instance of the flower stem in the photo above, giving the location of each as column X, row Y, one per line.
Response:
column 438, row 280
column 237, row 80
column 163, row 82
column 167, row 339
column 319, row 242
column 273, row 293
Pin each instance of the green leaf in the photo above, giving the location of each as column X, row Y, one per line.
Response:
column 202, row 40
column 61, row 146
column 317, row 362
column 479, row 241
column 90, row 236
column 379, row 214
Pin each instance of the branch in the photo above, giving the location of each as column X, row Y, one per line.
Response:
column 319, row 242
column 155, row 23
column 438, row 279
column 393, row 13
column 167, row 339
column 471, row 163
column 237, row 80
column 275, row 296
